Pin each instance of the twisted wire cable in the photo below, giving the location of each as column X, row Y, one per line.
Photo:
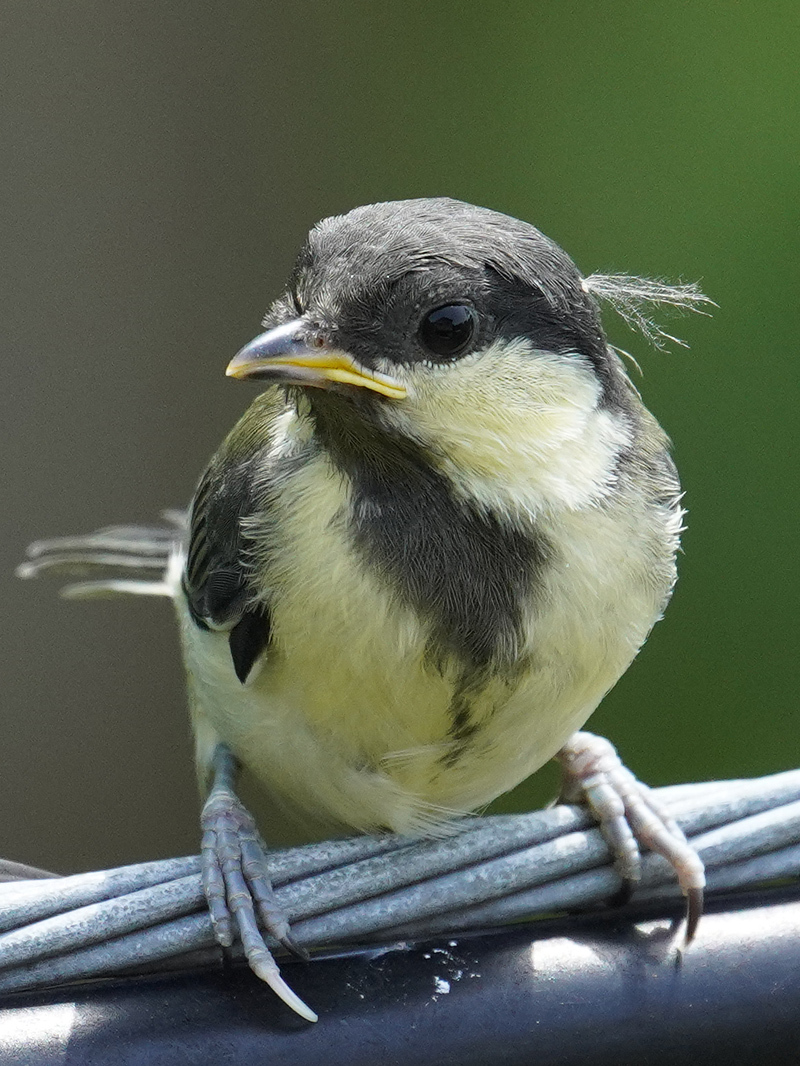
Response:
column 489, row 871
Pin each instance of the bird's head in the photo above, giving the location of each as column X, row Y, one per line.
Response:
column 461, row 329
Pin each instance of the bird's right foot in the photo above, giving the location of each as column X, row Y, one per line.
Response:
column 241, row 900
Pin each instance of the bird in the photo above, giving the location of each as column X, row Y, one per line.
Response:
column 439, row 535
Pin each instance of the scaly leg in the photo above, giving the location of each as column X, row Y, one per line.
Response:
column 629, row 816
column 236, row 880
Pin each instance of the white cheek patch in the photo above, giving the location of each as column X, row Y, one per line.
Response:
column 519, row 428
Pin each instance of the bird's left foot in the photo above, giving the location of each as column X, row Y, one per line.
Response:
column 630, row 816
column 237, row 884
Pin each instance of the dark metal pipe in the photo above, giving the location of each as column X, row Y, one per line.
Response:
column 601, row 989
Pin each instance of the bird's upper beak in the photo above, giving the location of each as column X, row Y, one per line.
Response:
column 296, row 355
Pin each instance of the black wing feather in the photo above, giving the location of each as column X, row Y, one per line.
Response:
column 217, row 579
column 248, row 639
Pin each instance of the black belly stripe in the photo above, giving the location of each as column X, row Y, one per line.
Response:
column 462, row 726
column 468, row 572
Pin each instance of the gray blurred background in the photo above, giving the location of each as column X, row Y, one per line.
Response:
column 163, row 163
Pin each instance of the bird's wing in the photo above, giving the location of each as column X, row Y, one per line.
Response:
column 204, row 555
column 218, row 579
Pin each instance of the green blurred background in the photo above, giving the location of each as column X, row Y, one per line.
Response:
column 164, row 161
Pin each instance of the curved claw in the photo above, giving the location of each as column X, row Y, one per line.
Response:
column 239, row 892
column 694, row 912
column 630, row 817
column 295, row 949
column 267, row 969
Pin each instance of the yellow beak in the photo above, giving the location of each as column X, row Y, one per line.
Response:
column 291, row 354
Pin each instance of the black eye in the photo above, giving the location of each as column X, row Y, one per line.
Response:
column 448, row 331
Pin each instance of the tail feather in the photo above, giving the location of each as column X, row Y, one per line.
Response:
column 136, row 560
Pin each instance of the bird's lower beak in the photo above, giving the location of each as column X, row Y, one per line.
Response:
column 293, row 355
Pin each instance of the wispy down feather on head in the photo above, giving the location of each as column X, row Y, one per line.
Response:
column 634, row 299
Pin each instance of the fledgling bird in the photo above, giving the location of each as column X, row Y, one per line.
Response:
column 429, row 548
